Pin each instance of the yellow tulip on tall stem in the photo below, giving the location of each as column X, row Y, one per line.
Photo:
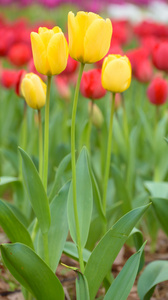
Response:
column 116, row 77
column 89, row 40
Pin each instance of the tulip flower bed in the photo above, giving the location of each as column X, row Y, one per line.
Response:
column 84, row 169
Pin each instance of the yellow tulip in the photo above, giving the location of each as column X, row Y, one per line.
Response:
column 33, row 90
column 89, row 36
column 50, row 50
column 116, row 73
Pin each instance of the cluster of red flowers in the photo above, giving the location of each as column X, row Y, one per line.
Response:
column 149, row 62
column 149, row 59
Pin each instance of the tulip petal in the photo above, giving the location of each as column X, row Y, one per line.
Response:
column 116, row 77
column 77, row 28
column 29, row 92
column 46, row 37
column 39, row 53
column 75, row 37
column 57, row 29
column 97, row 40
column 57, row 53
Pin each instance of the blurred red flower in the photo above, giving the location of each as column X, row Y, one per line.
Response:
column 19, row 77
column 157, row 91
column 122, row 31
column 63, row 88
column 148, row 28
column 8, row 78
column 91, row 86
column 160, row 56
column 19, row 54
column 135, row 55
column 144, row 70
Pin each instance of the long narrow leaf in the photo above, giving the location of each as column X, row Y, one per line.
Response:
column 82, row 291
column 32, row 272
column 36, row 192
column 59, row 172
column 154, row 273
column 104, row 254
column 58, row 231
column 13, row 228
column 161, row 210
column 70, row 249
column 123, row 283
column 84, row 200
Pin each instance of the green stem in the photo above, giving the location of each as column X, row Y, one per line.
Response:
column 40, row 145
column 46, row 133
column 126, row 130
column 35, row 230
column 23, row 137
column 89, row 126
column 73, row 163
column 45, row 244
column 108, row 156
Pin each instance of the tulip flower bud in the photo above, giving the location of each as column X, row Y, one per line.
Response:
column 50, row 50
column 89, row 36
column 91, row 86
column 116, row 73
column 95, row 114
column 157, row 91
column 33, row 90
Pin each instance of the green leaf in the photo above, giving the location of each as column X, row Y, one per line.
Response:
column 157, row 189
column 153, row 274
column 36, row 192
column 32, row 272
column 138, row 242
column 7, row 179
column 161, row 210
column 58, row 231
column 106, row 251
column 96, row 226
column 121, row 286
column 13, row 228
column 70, row 249
column 18, row 214
column 84, row 199
column 59, row 172
column 96, row 193
column 121, row 189
column 82, row 291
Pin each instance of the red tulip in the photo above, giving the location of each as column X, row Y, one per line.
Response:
column 121, row 31
column 148, row 28
column 159, row 56
column 135, row 55
column 91, row 86
column 8, row 78
column 6, row 40
column 157, row 91
column 149, row 42
column 19, row 77
column 19, row 54
column 144, row 70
